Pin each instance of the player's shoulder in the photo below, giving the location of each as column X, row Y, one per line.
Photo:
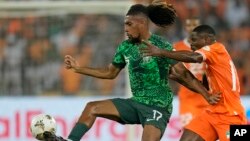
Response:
column 160, row 42
column 217, row 46
column 158, row 38
column 215, row 49
column 124, row 44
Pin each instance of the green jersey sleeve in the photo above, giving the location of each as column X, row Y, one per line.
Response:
column 118, row 59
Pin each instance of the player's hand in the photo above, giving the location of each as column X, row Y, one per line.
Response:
column 150, row 49
column 214, row 98
column 70, row 63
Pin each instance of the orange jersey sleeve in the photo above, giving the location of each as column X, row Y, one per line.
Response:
column 189, row 100
column 222, row 77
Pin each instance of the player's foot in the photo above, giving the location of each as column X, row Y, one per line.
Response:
column 48, row 136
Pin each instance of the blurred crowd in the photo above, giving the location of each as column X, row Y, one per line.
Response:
column 32, row 48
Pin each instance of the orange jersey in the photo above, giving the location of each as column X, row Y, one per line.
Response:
column 189, row 100
column 222, row 77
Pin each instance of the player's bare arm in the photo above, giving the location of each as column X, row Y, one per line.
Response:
column 184, row 56
column 177, row 76
column 183, row 76
column 109, row 72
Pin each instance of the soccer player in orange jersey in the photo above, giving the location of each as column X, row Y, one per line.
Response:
column 214, row 122
column 191, row 103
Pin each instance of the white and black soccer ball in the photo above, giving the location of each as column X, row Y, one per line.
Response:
column 42, row 123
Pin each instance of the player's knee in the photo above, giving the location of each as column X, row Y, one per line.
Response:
column 92, row 108
column 151, row 136
column 189, row 135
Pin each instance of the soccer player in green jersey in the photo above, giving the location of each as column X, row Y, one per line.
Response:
column 151, row 103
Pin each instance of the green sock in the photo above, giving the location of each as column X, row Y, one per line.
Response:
column 78, row 131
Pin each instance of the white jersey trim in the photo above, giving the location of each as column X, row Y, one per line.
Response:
column 203, row 55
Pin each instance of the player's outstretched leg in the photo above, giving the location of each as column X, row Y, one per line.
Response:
column 105, row 109
column 151, row 133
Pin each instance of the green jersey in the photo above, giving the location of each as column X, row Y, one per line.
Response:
column 148, row 75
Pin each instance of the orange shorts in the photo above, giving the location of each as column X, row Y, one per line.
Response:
column 211, row 126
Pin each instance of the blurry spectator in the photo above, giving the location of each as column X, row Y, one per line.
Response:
column 40, row 73
column 236, row 12
column 2, row 48
column 71, row 82
column 247, row 69
column 103, row 49
column 13, row 56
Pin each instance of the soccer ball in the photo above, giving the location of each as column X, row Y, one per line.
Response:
column 42, row 123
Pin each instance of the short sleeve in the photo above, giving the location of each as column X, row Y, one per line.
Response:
column 118, row 59
column 206, row 53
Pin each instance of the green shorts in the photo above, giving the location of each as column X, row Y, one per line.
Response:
column 132, row 112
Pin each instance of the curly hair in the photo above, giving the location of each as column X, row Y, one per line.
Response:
column 162, row 15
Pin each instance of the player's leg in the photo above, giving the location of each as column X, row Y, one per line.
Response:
column 104, row 108
column 189, row 135
column 117, row 109
column 151, row 133
column 154, row 120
